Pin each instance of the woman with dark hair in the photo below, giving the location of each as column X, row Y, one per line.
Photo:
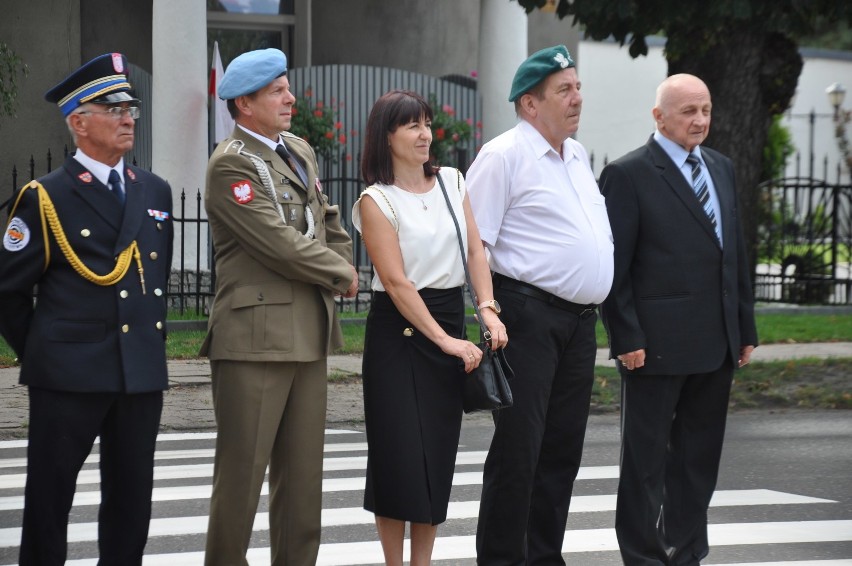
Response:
column 414, row 345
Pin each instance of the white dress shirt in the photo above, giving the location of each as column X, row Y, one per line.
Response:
column 541, row 215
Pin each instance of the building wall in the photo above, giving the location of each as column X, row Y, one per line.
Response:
column 49, row 46
column 822, row 68
column 47, row 36
column 439, row 37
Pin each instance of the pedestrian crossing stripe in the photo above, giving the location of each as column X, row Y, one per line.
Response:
column 338, row 517
column 576, row 542
column 346, row 456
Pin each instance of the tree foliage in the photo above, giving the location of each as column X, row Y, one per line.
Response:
column 11, row 66
column 746, row 51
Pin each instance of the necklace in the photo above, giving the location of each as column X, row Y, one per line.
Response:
column 418, row 195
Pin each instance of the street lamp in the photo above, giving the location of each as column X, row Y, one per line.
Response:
column 836, row 93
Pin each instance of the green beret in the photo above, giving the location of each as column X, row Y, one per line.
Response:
column 537, row 67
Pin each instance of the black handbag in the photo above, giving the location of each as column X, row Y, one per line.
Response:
column 486, row 388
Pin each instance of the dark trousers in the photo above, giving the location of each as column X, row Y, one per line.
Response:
column 62, row 429
column 672, row 431
column 537, row 445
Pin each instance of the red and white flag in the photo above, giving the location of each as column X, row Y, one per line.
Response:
column 221, row 123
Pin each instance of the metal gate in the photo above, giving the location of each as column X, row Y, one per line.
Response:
column 804, row 242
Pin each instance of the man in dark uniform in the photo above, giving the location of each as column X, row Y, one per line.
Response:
column 95, row 238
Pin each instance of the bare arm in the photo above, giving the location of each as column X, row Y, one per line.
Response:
column 383, row 246
column 480, row 278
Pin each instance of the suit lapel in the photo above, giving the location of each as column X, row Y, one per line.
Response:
column 679, row 185
column 133, row 208
column 95, row 194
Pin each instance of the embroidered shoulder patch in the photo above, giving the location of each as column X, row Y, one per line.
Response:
column 85, row 177
column 17, row 235
column 243, row 193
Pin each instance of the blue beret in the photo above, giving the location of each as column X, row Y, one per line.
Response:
column 537, row 67
column 252, row 71
column 102, row 80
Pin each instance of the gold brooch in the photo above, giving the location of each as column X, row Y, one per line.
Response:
column 408, row 332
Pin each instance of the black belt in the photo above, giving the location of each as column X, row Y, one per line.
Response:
column 500, row 281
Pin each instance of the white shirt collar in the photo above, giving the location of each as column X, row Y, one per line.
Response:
column 98, row 169
column 271, row 144
column 541, row 146
column 676, row 151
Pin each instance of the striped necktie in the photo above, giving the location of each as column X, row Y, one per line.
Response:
column 115, row 185
column 699, row 185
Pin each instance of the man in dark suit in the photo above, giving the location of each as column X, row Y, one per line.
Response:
column 281, row 256
column 680, row 319
column 95, row 238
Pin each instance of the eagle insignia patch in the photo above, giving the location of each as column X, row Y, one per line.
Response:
column 243, row 193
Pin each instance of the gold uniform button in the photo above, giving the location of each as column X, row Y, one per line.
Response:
column 125, row 328
column 123, row 294
column 153, row 255
column 85, row 232
column 159, row 325
column 408, row 332
column 158, row 292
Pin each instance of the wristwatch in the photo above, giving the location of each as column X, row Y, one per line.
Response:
column 492, row 304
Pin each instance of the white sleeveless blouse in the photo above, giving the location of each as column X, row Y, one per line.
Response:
column 427, row 235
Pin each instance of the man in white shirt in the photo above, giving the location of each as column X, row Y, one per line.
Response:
column 544, row 222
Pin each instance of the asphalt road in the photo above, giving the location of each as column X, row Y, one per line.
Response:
column 784, row 497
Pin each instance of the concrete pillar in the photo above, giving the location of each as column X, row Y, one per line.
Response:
column 179, row 108
column 502, row 47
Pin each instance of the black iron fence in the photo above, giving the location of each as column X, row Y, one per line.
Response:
column 804, row 254
column 805, row 242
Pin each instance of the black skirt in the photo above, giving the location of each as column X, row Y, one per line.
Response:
column 412, row 410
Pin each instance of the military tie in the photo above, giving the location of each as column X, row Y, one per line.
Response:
column 115, row 185
column 699, row 185
column 293, row 163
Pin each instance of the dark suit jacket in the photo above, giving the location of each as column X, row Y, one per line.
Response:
column 81, row 336
column 274, row 286
column 675, row 292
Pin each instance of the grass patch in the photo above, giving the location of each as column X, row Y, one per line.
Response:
column 772, row 329
column 799, row 384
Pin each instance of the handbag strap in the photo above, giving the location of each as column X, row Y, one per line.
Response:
column 486, row 334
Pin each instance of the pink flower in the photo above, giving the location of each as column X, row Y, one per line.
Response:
column 342, row 138
column 329, row 135
column 474, row 74
column 455, row 137
column 439, row 133
column 469, row 121
column 338, row 125
column 448, row 109
column 318, row 113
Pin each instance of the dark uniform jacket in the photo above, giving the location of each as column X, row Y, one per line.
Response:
column 274, row 286
column 80, row 336
column 675, row 292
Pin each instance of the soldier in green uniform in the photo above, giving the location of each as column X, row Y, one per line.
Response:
column 281, row 256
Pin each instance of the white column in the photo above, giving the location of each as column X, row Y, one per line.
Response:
column 502, row 47
column 179, row 108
